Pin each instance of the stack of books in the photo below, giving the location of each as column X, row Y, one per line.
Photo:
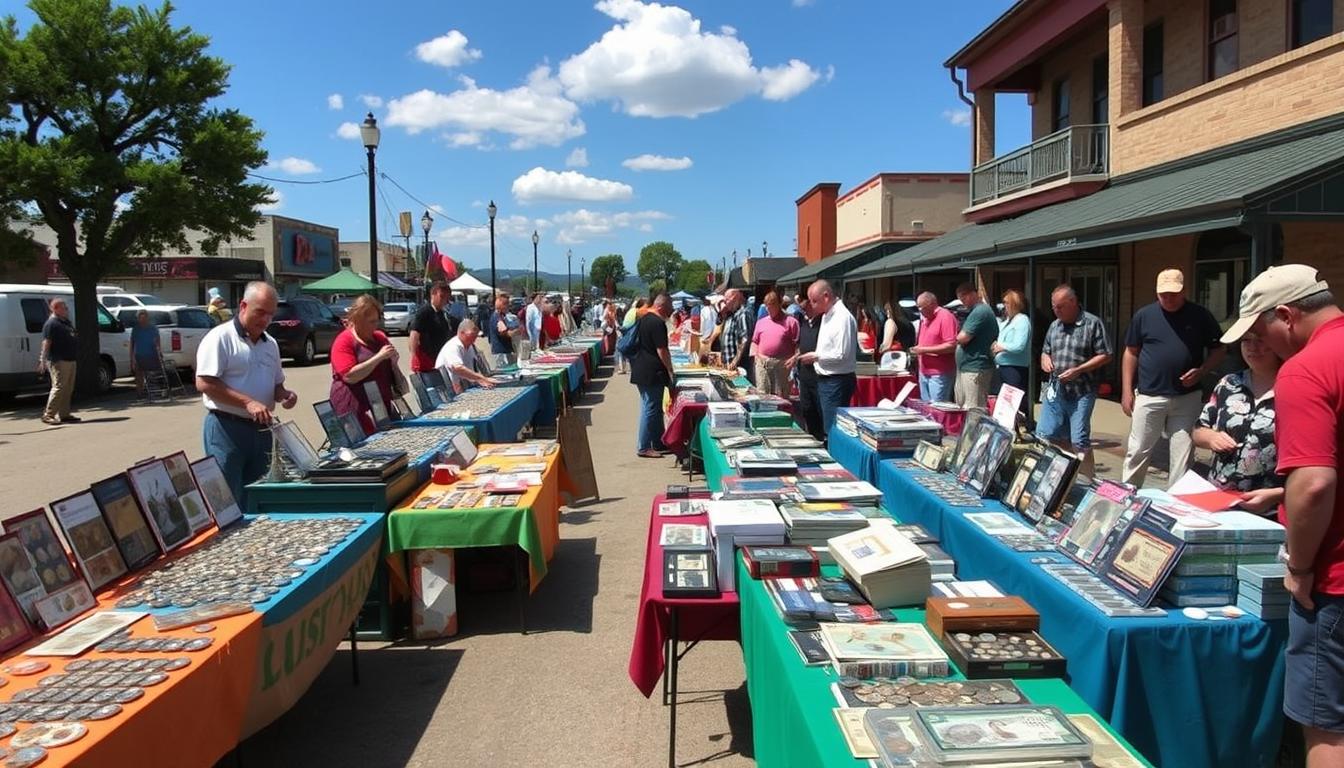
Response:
column 775, row 489
column 941, row 565
column 1261, row 592
column 762, row 462
column 857, row 492
column 884, row 649
column 888, row 568
column 722, row 415
column 847, row 419
column 898, row 431
column 735, row 524
column 763, row 403
column 1218, row 543
column 814, row 524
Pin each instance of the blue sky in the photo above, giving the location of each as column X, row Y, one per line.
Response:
column 750, row 102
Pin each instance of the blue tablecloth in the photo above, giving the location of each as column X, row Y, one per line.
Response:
column 1185, row 693
column 852, row 454
column 501, row 427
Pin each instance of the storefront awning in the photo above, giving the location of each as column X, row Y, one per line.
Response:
column 842, row 261
column 1213, row 190
column 395, row 283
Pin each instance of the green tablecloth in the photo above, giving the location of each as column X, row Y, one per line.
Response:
column 716, row 463
column 792, row 722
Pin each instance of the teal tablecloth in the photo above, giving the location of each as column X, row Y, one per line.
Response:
column 716, row 463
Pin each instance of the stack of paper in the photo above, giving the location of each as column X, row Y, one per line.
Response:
column 1261, row 592
column 941, row 565
column 723, row 415
column 888, row 568
column 735, row 524
column 898, row 431
column 858, row 492
column 815, row 524
column 1219, row 543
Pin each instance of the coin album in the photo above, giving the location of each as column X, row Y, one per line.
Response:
column 1000, row 734
column 367, row 467
column 904, row 692
column 689, row 573
column 1021, row 654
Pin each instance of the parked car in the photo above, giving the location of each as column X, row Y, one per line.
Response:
column 180, row 330
column 342, row 305
column 304, row 328
column 397, row 316
column 23, row 311
column 116, row 301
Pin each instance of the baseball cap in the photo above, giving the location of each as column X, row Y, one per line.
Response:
column 1271, row 288
column 1170, row 281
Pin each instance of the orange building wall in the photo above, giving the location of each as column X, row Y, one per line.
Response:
column 816, row 223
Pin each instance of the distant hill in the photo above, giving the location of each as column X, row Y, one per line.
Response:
column 552, row 280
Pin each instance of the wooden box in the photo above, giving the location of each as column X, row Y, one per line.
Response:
column 979, row 614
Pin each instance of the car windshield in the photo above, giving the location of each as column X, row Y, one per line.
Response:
column 285, row 312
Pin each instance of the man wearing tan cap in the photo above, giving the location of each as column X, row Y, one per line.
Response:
column 1293, row 311
column 1170, row 345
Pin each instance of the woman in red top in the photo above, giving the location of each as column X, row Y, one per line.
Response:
column 550, row 324
column 362, row 354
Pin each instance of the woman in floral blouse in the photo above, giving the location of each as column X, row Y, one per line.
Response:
column 1237, row 424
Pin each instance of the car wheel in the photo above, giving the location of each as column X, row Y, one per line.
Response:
column 106, row 373
column 309, row 352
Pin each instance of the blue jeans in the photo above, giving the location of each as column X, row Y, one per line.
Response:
column 936, row 387
column 1314, row 663
column 1059, row 411
column 650, row 418
column 834, row 393
column 242, row 449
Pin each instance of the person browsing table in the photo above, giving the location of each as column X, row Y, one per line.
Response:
column 458, row 358
column 431, row 328
column 1012, row 353
column 975, row 362
column 239, row 377
column 773, row 343
column 835, row 358
column 651, row 372
column 1075, row 349
column 936, row 344
column 361, row 353
column 1237, row 424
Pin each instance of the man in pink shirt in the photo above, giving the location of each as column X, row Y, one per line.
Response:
column 772, row 344
column 936, row 348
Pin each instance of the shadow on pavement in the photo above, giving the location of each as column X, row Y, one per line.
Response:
column 562, row 603
column 737, row 712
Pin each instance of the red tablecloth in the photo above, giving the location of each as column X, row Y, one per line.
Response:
column 951, row 421
column 870, row 390
column 698, row 618
column 683, row 418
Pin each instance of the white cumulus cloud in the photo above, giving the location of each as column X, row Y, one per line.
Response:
column 658, row 62
column 335, row 101
column 294, row 166
column 532, row 114
column 371, row 101
column 272, row 203
column 648, row 162
column 577, row 159
column 465, row 139
column 348, row 131
column 583, row 225
column 958, row 117
column 448, row 50
column 514, row 226
column 541, row 184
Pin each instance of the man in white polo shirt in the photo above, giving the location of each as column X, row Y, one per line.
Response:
column 239, row 377
column 458, row 358
column 836, row 354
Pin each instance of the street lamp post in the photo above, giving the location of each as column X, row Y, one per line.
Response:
column 494, row 280
column 583, row 274
column 369, row 133
column 569, row 271
column 764, row 252
column 536, row 283
column 426, row 223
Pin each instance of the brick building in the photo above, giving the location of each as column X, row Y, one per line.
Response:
column 1201, row 134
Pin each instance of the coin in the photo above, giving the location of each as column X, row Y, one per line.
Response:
column 6, row 730
column 150, row 679
column 198, row 644
column 172, row 645
column 127, row 695
column 23, row 668
column 62, row 733
column 26, row 757
column 104, row 712
column 203, row 628
column 75, row 665
column 174, row 664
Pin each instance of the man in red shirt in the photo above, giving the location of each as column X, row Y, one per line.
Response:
column 1293, row 311
column 936, row 349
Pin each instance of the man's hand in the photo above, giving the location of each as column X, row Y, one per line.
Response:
column 808, row 358
column 1261, row 500
column 996, row 348
column 1191, row 377
column 487, row 384
column 1069, row 374
column 916, row 350
column 1300, row 588
column 258, row 412
column 1127, row 403
column 290, row 399
column 1221, row 442
column 1047, row 365
column 791, row 362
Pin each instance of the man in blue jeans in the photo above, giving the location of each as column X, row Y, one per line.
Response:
column 836, row 355
column 651, row 372
column 1075, row 348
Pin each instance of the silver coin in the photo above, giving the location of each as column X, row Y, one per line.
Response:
column 104, row 712
column 173, row 645
column 181, row 662
column 127, row 695
column 198, row 644
column 26, row 757
column 203, row 628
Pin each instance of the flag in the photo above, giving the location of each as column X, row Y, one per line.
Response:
column 446, row 264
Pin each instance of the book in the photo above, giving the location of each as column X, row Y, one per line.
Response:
column 777, row 562
column 883, row 649
column 809, row 646
column 857, row 492
column 887, row 567
column 683, row 536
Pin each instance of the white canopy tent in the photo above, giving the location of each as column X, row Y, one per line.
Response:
column 468, row 284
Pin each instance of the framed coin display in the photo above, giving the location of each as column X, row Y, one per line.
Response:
column 930, row 456
column 1143, row 557
column 337, row 437
column 291, row 441
column 382, row 419
column 92, row 543
column 14, row 627
column 154, row 489
column 193, row 504
column 1048, row 484
column 20, row 576
column 989, row 450
column 48, row 555
column 1013, row 494
column 126, row 520
column 216, row 491
column 974, row 416
column 998, row 654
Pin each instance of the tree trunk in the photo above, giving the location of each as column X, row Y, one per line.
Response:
column 85, row 309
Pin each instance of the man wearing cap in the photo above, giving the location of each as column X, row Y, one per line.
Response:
column 1292, row 310
column 1170, row 345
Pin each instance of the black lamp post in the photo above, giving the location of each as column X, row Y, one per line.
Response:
column 764, row 252
column 583, row 274
column 369, row 133
column 536, row 283
column 494, row 280
column 569, row 271
column 426, row 223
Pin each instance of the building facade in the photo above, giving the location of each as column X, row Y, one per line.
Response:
column 392, row 258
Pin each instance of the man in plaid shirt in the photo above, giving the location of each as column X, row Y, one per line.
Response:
column 1075, row 348
column 736, row 338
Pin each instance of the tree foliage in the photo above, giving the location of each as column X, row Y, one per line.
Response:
column 109, row 136
column 522, row 285
column 692, row 276
column 659, row 260
column 611, row 265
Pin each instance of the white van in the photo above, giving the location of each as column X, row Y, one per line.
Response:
column 23, row 311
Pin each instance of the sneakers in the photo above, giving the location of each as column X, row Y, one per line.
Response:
column 649, row 453
column 50, row 420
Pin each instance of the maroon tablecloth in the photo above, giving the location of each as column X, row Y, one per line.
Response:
column 951, row 421
column 871, row 390
column 698, row 618
column 681, row 422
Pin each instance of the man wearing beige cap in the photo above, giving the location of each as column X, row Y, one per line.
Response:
column 1292, row 310
column 1170, row 345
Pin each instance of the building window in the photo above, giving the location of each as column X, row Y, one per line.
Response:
column 1311, row 20
column 1101, row 102
column 1059, row 103
column 345, row 262
column 1152, row 63
column 1222, row 38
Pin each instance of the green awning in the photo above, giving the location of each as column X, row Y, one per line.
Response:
column 842, row 261
column 1210, row 191
column 345, row 281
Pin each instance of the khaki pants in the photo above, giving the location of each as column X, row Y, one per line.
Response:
column 772, row 377
column 62, row 389
column 973, row 388
column 1155, row 415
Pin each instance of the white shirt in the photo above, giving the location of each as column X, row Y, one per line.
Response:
column 227, row 354
column 708, row 319
column 455, row 353
column 837, row 342
column 533, row 322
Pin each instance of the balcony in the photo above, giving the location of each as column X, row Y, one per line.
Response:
column 1077, row 155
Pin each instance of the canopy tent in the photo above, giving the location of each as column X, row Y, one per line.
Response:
column 468, row 284
column 683, row 295
column 390, row 280
column 345, row 281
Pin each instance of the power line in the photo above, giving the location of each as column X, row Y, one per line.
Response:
column 434, row 208
column 295, row 181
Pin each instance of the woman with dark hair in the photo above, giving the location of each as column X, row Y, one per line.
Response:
column 361, row 353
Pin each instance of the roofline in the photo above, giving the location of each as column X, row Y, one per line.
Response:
column 1004, row 18
column 915, row 176
column 835, row 185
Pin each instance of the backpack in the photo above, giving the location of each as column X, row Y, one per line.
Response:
column 628, row 343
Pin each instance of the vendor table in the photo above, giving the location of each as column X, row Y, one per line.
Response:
column 555, row 387
column 950, row 421
column 857, row 456
column 685, row 415
column 791, row 719
column 715, row 461
column 871, row 390
column 503, row 425
column 533, row 526
column 1186, row 693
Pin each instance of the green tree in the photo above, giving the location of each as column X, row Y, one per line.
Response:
column 657, row 286
column 523, row 285
column 692, row 275
column 659, row 260
column 109, row 136
column 612, row 265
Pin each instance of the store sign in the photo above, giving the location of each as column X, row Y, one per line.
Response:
column 294, row 652
column 303, row 252
column 145, row 269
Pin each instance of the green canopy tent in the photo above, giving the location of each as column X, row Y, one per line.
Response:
column 345, row 281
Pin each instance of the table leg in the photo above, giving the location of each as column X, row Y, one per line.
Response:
column 524, row 584
column 354, row 655
column 672, row 729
